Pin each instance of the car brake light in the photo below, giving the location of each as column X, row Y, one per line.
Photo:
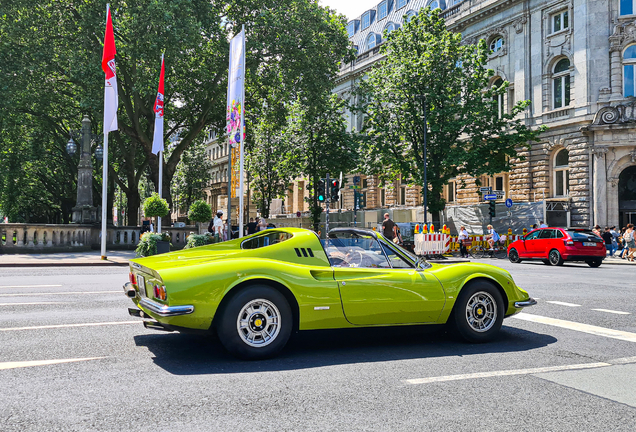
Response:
column 132, row 278
column 160, row 292
column 568, row 242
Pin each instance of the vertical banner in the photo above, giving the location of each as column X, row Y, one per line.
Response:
column 236, row 121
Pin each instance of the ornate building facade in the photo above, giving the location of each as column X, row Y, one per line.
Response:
column 575, row 60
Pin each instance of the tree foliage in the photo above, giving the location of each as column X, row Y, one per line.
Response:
column 192, row 176
column 200, row 211
column 51, row 50
column 428, row 68
column 155, row 206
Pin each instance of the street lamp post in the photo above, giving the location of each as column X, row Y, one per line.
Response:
column 422, row 99
column 84, row 211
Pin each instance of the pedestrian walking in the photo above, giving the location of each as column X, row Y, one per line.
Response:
column 389, row 229
column 262, row 224
column 608, row 238
column 251, row 227
column 216, row 225
column 629, row 242
column 621, row 242
column 464, row 241
column 597, row 230
column 542, row 224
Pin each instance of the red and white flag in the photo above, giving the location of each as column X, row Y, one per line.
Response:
column 111, row 99
column 157, row 141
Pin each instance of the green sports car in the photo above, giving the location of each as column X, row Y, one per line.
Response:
column 254, row 291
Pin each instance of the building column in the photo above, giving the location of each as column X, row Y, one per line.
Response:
column 616, row 75
column 600, row 186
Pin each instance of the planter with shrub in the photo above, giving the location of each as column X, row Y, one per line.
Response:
column 153, row 244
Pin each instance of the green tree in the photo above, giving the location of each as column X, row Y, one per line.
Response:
column 51, row 55
column 155, row 206
column 427, row 68
column 192, row 176
column 200, row 211
column 319, row 144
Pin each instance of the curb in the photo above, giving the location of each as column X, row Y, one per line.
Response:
column 67, row 264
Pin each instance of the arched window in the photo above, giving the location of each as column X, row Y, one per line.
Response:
column 371, row 41
column 561, row 83
column 409, row 15
column 390, row 27
column 629, row 62
column 499, row 98
column 562, row 173
column 496, row 44
column 434, row 4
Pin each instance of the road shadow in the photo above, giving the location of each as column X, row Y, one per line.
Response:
column 187, row 354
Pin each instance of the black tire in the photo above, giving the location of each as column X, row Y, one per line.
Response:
column 594, row 263
column 467, row 320
column 555, row 258
column 257, row 323
column 513, row 256
column 546, row 262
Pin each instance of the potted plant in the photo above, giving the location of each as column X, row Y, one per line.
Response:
column 153, row 244
column 199, row 212
column 155, row 206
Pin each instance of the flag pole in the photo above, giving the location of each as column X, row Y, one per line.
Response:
column 242, row 143
column 160, row 187
column 104, row 192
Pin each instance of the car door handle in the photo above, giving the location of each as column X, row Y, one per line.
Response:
column 322, row 275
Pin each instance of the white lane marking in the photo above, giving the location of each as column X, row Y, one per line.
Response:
column 612, row 311
column 60, row 293
column 70, row 325
column 29, row 304
column 563, row 303
column 585, row 328
column 505, row 373
column 29, row 286
column 23, row 364
column 624, row 360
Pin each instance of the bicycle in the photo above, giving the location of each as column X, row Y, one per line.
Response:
column 479, row 251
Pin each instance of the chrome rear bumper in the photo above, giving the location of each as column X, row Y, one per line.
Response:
column 157, row 308
column 525, row 303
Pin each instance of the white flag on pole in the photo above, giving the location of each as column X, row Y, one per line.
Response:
column 157, row 141
column 111, row 99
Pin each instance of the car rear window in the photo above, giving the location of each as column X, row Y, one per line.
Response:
column 266, row 240
column 584, row 236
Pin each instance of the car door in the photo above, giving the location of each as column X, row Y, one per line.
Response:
column 545, row 243
column 529, row 244
column 395, row 293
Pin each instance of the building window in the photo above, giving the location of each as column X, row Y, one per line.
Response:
column 364, row 183
column 351, row 28
column 401, row 3
column 383, row 197
column 560, row 21
column 390, row 27
column 366, row 20
column 409, row 15
column 451, row 191
column 499, row 98
column 496, row 44
column 499, row 183
column 629, row 61
column 371, row 41
column 562, row 173
column 402, row 196
column 434, row 4
column 561, row 84
column 383, row 9
column 627, row 7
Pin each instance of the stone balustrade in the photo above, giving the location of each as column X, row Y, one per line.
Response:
column 48, row 238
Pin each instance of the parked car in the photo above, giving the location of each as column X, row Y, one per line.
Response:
column 252, row 292
column 556, row 245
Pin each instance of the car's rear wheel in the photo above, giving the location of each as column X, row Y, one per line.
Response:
column 479, row 312
column 546, row 262
column 555, row 258
column 256, row 323
column 513, row 256
column 594, row 263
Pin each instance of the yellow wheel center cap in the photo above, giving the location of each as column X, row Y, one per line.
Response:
column 258, row 323
column 480, row 311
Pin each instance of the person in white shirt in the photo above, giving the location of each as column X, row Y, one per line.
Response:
column 542, row 224
column 463, row 237
column 217, row 224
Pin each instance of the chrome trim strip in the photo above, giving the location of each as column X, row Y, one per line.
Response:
column 321, row 308
column 526, row 303
column 165, row 311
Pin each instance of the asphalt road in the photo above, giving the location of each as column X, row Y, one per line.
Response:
column 567, row 364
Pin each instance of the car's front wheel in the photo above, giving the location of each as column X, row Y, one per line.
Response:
column 256, row 323
column 479, row 312
column 594, row 263
column 513, row 256
column 555, row 258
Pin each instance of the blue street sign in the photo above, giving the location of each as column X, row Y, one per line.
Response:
column 490, row 197
column 508, row 203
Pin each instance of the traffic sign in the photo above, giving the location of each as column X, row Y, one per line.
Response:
column 490, row 197
column 485, row 190
column 500, row 194
column 508, row 203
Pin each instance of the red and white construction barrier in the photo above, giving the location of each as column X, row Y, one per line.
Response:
column 431, row 244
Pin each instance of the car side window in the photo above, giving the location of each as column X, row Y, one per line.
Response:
column 546, row 234
column 265, row 240
column 559, row 234
column 395, row 260
column 533, row 235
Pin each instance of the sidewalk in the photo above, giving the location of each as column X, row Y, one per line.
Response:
column 68, row 259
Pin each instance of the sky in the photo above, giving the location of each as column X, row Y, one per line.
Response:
column 350, row 8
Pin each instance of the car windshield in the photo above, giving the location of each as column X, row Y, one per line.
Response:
column 584, row 235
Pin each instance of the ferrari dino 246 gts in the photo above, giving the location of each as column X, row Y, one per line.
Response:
column 254, row 291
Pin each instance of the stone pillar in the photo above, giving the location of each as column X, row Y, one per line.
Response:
column 616, row 75
column 600, row 186
column 84, row 212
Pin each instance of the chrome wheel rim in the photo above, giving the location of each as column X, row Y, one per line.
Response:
column 554, row 257
column 481, row 311
column 258, row 323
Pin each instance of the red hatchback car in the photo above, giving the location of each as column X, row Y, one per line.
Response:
column 555, row 245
